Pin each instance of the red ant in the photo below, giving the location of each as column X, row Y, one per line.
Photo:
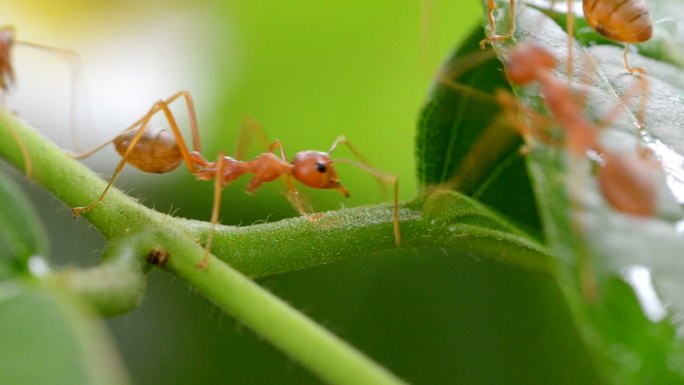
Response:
column 625, row 179
column 160, row 151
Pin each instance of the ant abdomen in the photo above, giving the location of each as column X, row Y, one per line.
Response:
column 156, row 151
column 628, row 21
column 626, row 182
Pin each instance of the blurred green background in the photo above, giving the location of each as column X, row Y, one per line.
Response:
column 308, row 71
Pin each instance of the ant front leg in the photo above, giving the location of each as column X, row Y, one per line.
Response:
column 297, row 202
column 383, row 178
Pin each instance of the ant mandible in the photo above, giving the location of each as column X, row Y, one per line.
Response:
column 160, row 150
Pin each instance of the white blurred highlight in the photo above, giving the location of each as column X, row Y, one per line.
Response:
column 127, row 65
column 639, row 277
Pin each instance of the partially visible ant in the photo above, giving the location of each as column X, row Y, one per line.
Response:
column 625, row 21
column 160, row 150
column 8, row 78
column 626, row 180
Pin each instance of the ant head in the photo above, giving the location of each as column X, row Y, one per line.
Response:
column 525, row 61
column 315, row 169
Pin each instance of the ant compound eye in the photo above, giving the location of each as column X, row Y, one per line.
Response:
column 320, row 167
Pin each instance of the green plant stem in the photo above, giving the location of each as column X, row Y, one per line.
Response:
column 119, row 216
column 267, row 249
column 116, row 285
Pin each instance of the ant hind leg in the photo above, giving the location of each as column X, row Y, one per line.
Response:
column 249, row 128
column 218, row 188
column 140, row 125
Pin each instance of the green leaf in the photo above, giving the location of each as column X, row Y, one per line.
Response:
column 50, row 338
column 462, row 144
column 273, row 248
column 598, row 248
column 22, row 234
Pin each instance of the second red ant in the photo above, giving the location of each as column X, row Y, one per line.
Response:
column 625, row 180
column 160, row 150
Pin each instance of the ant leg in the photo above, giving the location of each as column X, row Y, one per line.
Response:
column 292, row 192
column 640, row 87
column 570, row 30
column 142, row 124
column 343, row 140
column 76, row 70
column 248, row 129
column 493, row 37
column 511, row 20
column 512, row 109
column 383, row 178
column 160, row 105
column 28, row 168
column 426, row 11
column 491, row 5
column 297, row 202
column 76, row 211
column 632, row 70
column 218, row 188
